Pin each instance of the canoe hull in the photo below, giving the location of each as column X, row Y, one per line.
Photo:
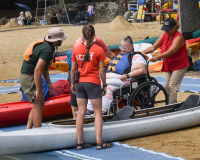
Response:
column 16, row 113
column 64, row 136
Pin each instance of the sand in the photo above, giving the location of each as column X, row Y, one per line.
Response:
column 119, row 23
column 11, row 24
column 14, row 41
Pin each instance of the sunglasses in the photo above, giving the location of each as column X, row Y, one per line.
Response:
column 123, row 48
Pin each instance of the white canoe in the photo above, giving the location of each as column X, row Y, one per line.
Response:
column 60, row 136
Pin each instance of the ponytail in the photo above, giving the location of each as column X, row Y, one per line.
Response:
column 88, row 33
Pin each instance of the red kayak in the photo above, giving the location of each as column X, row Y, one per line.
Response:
column 16, row 113
column 60, row 58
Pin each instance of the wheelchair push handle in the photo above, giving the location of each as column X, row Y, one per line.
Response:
column 147, row 69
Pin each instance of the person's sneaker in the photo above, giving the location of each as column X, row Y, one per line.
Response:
column 89, row 112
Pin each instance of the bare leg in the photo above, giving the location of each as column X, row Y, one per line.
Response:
column 37, row 113
column 82, row 106
column 30, row 120
column 74, row 110
column 97, row 106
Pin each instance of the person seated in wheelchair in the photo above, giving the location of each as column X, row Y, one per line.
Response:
column 125, row 65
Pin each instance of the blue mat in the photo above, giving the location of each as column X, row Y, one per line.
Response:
column 15, row 89
column 53, row 77
column 187, row 85
column 117, row 152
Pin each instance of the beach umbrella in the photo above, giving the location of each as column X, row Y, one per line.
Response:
column 23, row 6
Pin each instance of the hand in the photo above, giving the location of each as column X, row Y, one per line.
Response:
column 104, row 91
column 73, row 88
column 123, row 77
column 154, row 59
column 38, row 96
column 51, row 89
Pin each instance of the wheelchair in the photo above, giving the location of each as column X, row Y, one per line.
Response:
column 142, row 92
column 84, row 16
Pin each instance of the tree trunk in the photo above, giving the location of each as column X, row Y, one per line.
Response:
column 189, row 15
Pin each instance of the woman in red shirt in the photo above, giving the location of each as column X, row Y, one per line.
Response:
column 90, row 60
column 174, row 52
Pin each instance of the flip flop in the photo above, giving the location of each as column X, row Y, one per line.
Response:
column 104, row 145
column 83, row 146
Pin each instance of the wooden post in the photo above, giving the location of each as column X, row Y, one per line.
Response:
column 179, row 13
column 126, row 6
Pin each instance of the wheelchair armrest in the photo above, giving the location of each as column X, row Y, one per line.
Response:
column 140, row 76
column 122, row 87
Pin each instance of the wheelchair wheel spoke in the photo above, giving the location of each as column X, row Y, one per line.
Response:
column 140, row 97
column 141, row 101
column 148, row 91
column 155, row 94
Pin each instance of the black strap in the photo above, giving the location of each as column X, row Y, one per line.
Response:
column 81, row 65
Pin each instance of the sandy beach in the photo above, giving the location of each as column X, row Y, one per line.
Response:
column 14, row 39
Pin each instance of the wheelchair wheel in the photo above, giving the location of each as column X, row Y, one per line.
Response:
column 149, row 94
column 152, row 79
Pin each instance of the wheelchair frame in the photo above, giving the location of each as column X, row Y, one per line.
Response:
column 136, row 86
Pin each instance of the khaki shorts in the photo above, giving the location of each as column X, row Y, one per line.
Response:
column 28, row 86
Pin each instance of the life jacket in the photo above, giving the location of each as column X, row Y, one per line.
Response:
column 29, row 50
column 121, row 63
column 30, row 59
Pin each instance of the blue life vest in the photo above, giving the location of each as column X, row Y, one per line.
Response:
column 123, row 64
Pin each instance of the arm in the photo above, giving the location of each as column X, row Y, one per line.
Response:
column 177, row 43
column 110, row 54
column 73, row 70
column 136, row 70
column 156, row 45
column 37, row 78
column 103, row 76
column 47, row 79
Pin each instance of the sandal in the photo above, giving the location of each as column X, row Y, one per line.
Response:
column 104, row 145
column 83, row 146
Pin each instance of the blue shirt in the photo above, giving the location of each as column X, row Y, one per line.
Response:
column 69, row 57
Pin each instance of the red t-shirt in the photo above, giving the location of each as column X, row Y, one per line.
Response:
column 176, row 61
column 90, row 70
column 98, row 41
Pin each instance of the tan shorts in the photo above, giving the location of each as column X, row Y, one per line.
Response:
column 28, row 86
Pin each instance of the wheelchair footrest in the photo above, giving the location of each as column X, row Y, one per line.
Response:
column 127, row 112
